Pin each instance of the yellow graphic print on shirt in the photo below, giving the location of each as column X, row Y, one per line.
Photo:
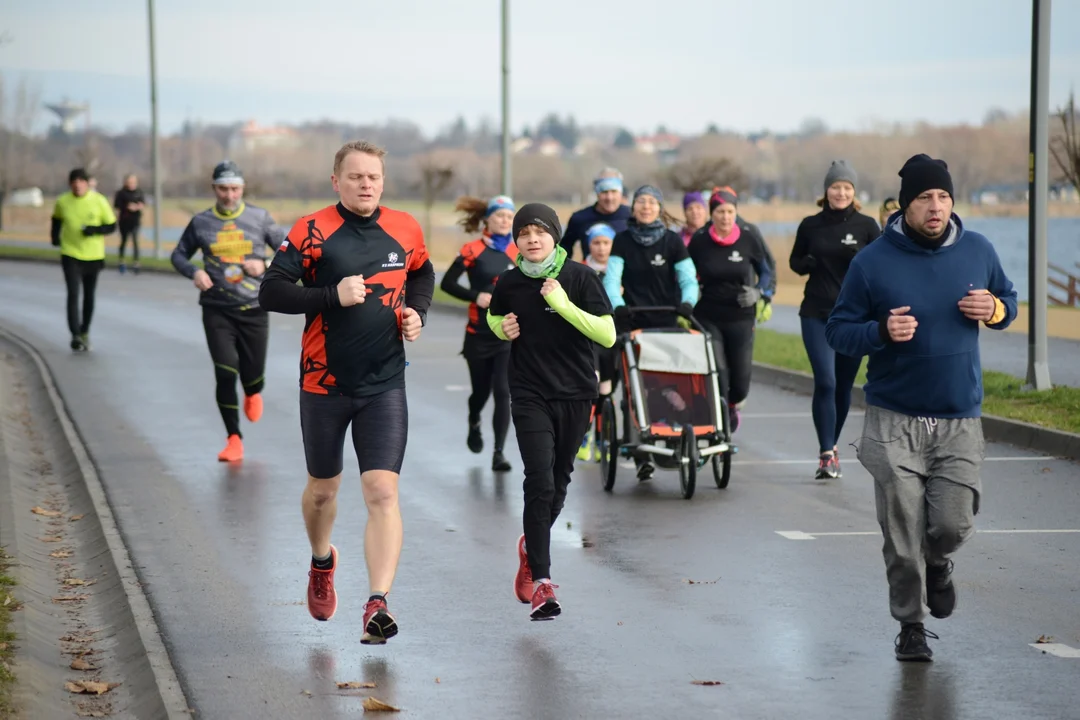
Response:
column 232, row 249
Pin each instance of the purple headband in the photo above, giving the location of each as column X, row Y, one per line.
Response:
column 693, row 197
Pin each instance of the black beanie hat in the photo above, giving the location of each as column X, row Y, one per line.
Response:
column 921, row 173
column 540, row 215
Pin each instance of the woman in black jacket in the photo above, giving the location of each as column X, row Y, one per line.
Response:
column 482, row 260
column 824, row 247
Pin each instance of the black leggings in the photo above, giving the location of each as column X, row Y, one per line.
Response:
column 133, row 233
column 549, row 434
column 237, row 341
column 734, row 343
column 489, row 375
column 84, row 274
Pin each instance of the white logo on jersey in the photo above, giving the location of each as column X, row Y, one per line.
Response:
column 392, row 257
column 850, row 240
column 393, row 261
column 735, row 256
column 659, row 260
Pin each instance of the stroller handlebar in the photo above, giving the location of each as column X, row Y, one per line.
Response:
column 666, row 308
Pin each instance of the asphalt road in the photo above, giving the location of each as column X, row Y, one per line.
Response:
column 793, row 628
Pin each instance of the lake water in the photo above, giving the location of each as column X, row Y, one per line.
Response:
column 1009, row 237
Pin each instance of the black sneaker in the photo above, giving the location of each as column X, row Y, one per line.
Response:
column 940, row 591
column 911, row 643
column 476, row 440
column 499, row 463
column 77, row 344
column 645, row 471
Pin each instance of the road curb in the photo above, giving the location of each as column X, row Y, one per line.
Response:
column 168, row 685
column 56, row 261
column 996, row 429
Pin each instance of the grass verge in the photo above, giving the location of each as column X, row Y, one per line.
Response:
column 18, row 252
column 1057, row 408
column 7, row 638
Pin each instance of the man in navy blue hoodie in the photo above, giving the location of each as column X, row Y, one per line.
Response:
column 609, row 209
column 913, row 301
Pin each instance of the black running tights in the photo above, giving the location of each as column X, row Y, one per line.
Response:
column 489, row 375
column 80, row 274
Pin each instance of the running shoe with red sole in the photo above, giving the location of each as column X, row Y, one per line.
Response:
column 523, row 581
column 544, row 604
column 321, row 596
column 379, row 624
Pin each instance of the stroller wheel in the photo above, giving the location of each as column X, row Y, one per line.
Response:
column 721, row 468
column 609, row 444
column 688, row 462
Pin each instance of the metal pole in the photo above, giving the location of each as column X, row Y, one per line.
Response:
column 506, row 180
column 1038, row 373
column 155, row 148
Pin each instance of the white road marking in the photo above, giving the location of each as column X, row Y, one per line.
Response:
column 1016, row 458
column 456, row 388
column 776, row 415
column 800, row 535
column 1057, row 649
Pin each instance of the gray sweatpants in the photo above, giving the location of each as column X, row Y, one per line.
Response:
column 926, row 488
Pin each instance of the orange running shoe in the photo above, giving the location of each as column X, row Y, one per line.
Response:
column 253, row 407
column 234, row 450
column 523, row 581
column 544, row 604
column 321, row 596
column 379, row 624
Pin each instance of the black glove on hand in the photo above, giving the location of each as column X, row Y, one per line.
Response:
column 622, row 319
column 686, row 310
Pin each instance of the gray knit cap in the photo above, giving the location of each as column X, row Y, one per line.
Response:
column 840, row 170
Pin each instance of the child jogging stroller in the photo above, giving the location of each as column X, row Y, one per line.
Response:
column 672, row 411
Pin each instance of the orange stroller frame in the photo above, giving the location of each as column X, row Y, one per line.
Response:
column 672, row 411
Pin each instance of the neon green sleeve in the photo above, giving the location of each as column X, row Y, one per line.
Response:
column 599, row 329
column 495, row 323
column 107, row 215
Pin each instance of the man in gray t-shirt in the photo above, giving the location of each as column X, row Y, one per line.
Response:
column 232, row 237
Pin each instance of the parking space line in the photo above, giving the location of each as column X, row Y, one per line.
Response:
column 1057, row 649
column 801, row 535
column 1007, row 458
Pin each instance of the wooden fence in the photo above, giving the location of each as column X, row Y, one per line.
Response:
column 1065, row 287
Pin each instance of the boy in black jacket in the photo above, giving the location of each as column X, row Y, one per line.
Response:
column 552, row 311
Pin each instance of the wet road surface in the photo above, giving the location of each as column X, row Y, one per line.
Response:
column 794, row 628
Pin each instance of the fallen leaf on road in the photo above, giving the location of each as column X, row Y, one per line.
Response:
column 306, row 692
column 373, row 705
column 437, row 680
column 52, row 538
column 89, row 687
column 619, row 623
column 7, row 601
column 71, row 598
column 80, row 664
column 1046, row 470
column 701, row 582
column 87, row 712
column 76, row 518
column 3, row 646
column 77, row 638
column 569, row 526
column 46, row 513
column 60, row 554
column 706, row 682
column 76, row 582
column 353, row 685
column 1044, row 639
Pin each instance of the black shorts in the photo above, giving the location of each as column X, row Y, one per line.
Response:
column 380, row 427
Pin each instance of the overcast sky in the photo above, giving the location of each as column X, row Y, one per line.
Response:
column 744, row 65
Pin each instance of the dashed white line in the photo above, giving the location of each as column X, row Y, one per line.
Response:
column 801, row 535
column 456, row 388
column 1017, row 458
column 1057, row 649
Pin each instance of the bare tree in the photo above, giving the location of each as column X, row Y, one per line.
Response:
column 17, row 115
column 700, row 173
column 435, row 176
column 1066, row 147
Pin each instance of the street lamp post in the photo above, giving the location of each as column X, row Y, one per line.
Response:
column 155, row 148
column 506, row 180
column 1038, row 372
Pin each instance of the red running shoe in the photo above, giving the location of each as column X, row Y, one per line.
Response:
column 321, row 596
column 544, row 604
column 523, row 581
column 379, row 624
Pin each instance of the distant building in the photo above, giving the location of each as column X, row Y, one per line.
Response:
column 252, row 137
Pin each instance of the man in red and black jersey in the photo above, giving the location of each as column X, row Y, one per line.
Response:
column 365, row 286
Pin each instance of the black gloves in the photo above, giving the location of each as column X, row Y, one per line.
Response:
column 686, row 310
column 622, row 319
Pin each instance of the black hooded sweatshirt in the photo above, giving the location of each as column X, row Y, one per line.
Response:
column 824, row 246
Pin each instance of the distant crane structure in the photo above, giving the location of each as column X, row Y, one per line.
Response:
column 68, row 112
